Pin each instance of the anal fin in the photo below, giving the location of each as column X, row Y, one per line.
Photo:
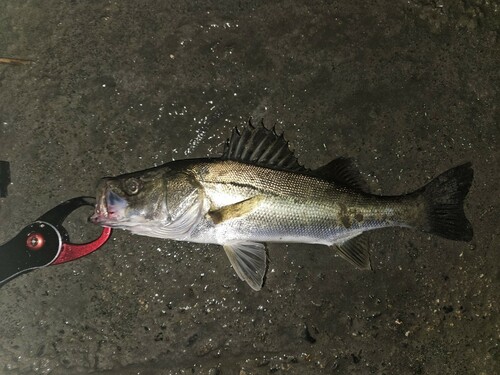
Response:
column 249, row 261
column 235, row 210
column 356, row 251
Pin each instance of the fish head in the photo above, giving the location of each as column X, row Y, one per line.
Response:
column 159, row 202
column 131, row 200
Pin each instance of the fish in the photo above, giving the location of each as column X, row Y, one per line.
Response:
column 257, row 192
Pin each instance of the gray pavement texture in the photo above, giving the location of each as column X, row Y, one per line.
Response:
column 408, row 88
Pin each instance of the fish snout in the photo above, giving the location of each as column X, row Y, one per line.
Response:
column 110, row 205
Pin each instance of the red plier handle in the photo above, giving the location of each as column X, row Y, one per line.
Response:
column 46, row 242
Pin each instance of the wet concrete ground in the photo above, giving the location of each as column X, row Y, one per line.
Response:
column 408, row 88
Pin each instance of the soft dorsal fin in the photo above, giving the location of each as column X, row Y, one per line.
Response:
column 343, row 171
column 261, row 146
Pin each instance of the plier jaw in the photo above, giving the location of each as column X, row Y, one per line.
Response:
column 69, row 251
column 46, row 242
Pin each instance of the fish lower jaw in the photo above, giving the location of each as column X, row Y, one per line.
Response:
column 104, row 217
column 98, row 218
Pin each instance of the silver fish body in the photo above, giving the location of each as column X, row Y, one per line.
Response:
column 287, row 207
column 257, row 193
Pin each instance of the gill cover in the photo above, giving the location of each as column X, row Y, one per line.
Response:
column 184, row 206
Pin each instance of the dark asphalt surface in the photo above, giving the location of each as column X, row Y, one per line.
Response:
column 408, row 88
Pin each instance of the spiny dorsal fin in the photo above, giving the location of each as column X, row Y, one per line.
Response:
column 261, row 146
column 343, row 171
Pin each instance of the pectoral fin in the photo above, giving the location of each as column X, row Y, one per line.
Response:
column 249, row 261
column 356, row 251
column 235, row 210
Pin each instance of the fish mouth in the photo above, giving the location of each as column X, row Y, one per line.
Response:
column 109, row 209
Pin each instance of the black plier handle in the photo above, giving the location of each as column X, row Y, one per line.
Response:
column 46, row 242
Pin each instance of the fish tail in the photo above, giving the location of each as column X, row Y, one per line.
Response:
column 444, row 197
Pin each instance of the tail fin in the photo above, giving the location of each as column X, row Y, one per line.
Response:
column 445, row 196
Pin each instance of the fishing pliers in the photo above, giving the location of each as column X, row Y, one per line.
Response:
column 45, row 242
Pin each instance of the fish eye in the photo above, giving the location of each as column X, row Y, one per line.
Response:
column 132, row 186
